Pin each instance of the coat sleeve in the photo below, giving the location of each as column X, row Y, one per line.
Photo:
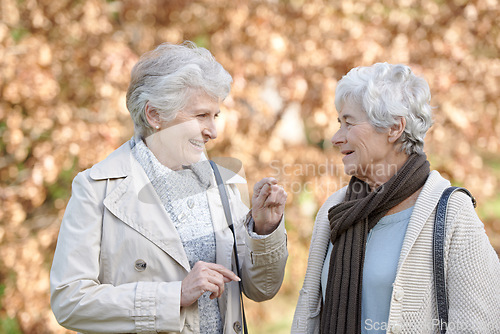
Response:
column 473, row 273
column 80, row 301
column 262, row 260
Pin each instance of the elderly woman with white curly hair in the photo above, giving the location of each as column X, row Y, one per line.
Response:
column 370, row 267
column 146, row 243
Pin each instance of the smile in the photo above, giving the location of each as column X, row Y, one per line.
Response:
column 198, row 144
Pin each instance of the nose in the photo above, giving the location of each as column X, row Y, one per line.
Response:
column 338, row 138
column 209, row 130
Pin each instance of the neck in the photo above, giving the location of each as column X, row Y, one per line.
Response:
column 154, row 147
column 407, row 203
column 379, row 174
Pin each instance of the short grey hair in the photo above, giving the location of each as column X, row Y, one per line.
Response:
column 387, row 92
column 166, row 76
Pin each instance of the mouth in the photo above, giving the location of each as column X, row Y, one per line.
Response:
column 347, row 152
column 198, row 144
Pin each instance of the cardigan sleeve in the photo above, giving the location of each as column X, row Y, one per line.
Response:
column 473, row 273
column 306, row 318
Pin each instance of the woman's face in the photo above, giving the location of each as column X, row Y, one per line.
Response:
column 367, row 152
column 182, row 140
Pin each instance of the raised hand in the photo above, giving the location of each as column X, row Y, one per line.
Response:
column 268, row 205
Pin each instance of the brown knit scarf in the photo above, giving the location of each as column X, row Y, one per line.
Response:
column 350, row 222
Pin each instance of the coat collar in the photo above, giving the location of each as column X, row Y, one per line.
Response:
column 116, row 165
column 119, row 164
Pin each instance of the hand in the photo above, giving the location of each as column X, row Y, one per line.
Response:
column 268, row 204
column 205, row 277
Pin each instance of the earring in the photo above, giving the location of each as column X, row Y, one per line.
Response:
column 157, row 127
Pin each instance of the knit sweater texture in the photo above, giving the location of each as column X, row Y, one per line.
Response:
column 472, row 270
column 183, row 195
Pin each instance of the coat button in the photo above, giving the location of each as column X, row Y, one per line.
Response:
column 140, row 265
column 237, row 327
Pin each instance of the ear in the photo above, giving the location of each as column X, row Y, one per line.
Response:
column 396, row 130
column 152, row 115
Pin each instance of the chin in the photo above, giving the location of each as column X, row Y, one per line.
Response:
column 192, row 159
column 350, row 170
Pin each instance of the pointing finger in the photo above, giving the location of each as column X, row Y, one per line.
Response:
column 227, row 274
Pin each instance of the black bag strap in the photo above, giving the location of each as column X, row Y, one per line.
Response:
column 229, row 219
column 438, row 255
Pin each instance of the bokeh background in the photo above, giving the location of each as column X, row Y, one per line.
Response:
column 65, row 68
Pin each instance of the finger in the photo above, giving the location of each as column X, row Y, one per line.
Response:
column 281, row 196
column 275, row 195
column 271, row 200
column 258, row 186
column 214, row 289
column 267, row 180
column 205, row 276
column 270, row 180
column 218, row 292
column 259, row 199
column 227, row 280
column 227, row 274
column 210, row 281
column 217, row 286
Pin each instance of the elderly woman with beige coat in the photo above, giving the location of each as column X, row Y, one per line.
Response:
column 144, row 245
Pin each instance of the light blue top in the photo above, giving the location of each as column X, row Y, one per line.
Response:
column 383, row 248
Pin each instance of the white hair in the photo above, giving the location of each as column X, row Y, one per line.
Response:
column 166, row 76
column 387, row 92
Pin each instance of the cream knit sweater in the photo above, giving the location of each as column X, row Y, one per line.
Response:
column 472, row 270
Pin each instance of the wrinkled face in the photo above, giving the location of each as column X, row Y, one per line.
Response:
column 182, row 140
column 364, row 148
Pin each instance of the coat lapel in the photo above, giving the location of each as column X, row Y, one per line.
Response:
column 135, row 202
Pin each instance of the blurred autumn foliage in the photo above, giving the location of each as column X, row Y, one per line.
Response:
column 65, row 68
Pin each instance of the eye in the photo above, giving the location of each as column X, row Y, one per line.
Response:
column 202, row 115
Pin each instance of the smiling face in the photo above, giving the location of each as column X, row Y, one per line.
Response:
column 182, row 140
column 370, row 155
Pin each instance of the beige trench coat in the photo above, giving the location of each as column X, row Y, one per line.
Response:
column 119, row 262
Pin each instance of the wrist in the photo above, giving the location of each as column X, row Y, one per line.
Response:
column 264, row 228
